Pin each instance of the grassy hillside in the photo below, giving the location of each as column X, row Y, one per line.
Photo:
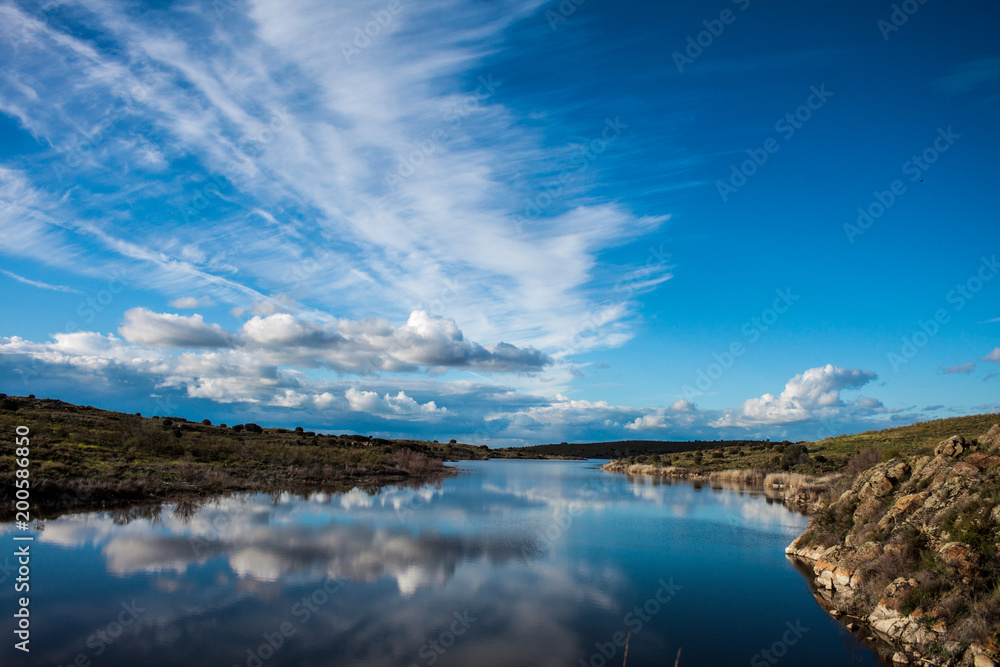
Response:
column 822, row 456
column 84, row 456
column 622, row 448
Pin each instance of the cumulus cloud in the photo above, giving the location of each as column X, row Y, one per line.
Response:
column 805, row 396
column 164, row 329
column 648, row 422
column 390, row 406
column 993, row 356
column 681, row 405
column 345, row 345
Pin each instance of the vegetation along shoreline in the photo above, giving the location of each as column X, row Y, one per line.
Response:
column 903, row 540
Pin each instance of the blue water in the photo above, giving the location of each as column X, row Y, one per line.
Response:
column 508, row 563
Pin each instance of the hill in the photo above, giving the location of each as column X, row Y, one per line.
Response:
column 622, row 448
column 814, row 458
column 83, row 457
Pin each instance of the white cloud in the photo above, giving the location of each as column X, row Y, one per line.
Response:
column 39, row 284
column 397, row 406
column 993, row 356
column 681, row 405
column 806, row 396
column 191, row 302
column 297, row 142
column 148, row 328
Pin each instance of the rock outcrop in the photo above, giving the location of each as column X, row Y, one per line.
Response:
column 911, row 548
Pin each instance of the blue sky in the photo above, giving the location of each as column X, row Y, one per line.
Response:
column 509, row 222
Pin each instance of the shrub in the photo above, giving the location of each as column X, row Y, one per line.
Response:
column 453, row 441
column 862, row 461
column 250, row 427
column 206, row 422
column 697, row 458
column 237, row 427
column 793, row 454
column 9, row 404
column 299, row 429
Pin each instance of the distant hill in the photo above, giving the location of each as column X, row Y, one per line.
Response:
column 912, row 437
column 622, row 448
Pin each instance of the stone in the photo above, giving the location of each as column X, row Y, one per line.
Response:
column 900, row 658
column 991, row 440
column 961, row 557
column 983, row 660
column 953, row 446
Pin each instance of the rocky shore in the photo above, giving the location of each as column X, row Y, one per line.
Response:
column 906, row 552
column 910, row 550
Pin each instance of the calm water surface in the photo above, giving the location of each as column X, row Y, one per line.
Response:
column 510, row 563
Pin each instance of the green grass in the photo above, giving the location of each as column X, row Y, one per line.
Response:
column 86, row 457
column 828, row 455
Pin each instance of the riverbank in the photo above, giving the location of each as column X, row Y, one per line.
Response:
column 903, row 548
column 802, row 492
column 82, row 458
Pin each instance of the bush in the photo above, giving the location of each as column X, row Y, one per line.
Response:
column 206, row 422
column 237, row 427
column 697, row 458
column 862, row 461
column 299, row 429
column 453, row 441
column 793, row 454
column 253, row 428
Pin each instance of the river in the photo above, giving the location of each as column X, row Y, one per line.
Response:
column 508, row 563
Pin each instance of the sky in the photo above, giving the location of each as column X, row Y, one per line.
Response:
column 510, row 222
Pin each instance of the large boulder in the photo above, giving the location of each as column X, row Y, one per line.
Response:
column 953, row 446
column 991, row 441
